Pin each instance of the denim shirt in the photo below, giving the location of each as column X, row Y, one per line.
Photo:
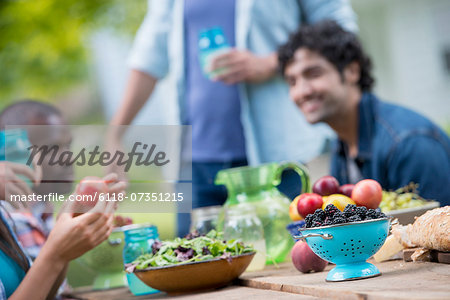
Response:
column 274, row 128
column 397, row 146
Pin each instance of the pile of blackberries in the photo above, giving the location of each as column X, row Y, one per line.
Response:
column 331, row 215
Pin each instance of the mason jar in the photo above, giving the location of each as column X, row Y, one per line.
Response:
column 204, row 219
column 241, row 222
column 139, row 239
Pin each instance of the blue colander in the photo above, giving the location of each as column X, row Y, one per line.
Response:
column 348, row 246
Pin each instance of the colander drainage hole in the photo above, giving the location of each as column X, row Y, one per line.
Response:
column 345, row 244
column 345, row 255
column 353, row 245
column 353, row 256
column 342, row 250
column 360, row 252
column 362, row 246
column 351, row 240
column 359, row 241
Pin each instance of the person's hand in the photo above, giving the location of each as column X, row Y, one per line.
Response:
column 114, row 186
column 71, row 236
column 11, row 184
column 241, row 65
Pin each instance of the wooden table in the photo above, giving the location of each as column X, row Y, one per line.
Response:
column 399, row 280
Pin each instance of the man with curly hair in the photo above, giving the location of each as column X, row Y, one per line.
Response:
column 330, row 81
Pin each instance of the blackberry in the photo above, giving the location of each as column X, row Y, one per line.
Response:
column 348, row 214
column 339, row 220
column 315, row 220
column 308, row 220
column 380, row 213
column 328, row 221
column 339, row 214
column 319, row 214
column 316, row 224
column 371, row 214
column 330, row 210
column 354, row 218
column 350, row 209
column 361, row 211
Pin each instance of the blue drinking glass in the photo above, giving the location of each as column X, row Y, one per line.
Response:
column 139, row 239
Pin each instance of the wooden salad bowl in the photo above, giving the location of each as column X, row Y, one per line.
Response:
column 195, row 276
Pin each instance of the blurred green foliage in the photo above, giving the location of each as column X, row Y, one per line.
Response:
column 44, row 43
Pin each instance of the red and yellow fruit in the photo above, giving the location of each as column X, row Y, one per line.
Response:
column 326, row 185
column 367, row 193
column 308, row 203
column 305, row 260
column 91, row 187
column 346, row 189
column 338, row 200
column 293, row 212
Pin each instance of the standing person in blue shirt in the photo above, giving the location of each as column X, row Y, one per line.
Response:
column 244, row 115
column 330, row 81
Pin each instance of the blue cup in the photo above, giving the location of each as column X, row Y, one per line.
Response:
column 139, row 239
column 14, row 147
column 211, row 43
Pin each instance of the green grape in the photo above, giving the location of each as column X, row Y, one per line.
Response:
column 405, row 197
column 388, row 201
column 403, row 200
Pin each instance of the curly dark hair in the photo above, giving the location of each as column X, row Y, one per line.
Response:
column 330, row 40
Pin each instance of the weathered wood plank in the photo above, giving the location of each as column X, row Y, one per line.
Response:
column 399, row 280
column 229, row 293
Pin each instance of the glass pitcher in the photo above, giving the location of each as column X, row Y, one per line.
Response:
column 257, row 186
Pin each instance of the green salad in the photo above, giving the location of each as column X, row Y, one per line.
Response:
column 193, row 247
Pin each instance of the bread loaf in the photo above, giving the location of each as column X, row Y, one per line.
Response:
column 431, row 230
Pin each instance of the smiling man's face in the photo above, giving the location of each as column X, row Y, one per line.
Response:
column 317, row 87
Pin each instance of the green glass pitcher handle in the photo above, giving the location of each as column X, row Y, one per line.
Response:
column 297, row 167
